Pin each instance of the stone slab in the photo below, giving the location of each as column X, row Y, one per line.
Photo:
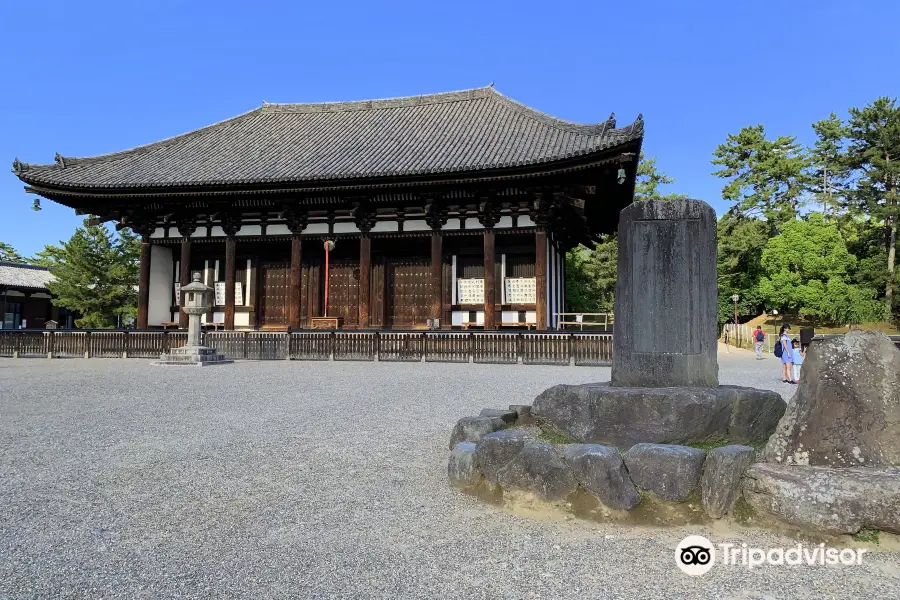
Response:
column 720, row 484
column 472, row 429
column 598, row 413
column 461, row 468
column 825, row 499
column 538, row 468
column 601, row 471
column 671, row 472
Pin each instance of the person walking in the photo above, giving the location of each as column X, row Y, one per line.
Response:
column 758, row 338
column 799, row 356
column 783, row 349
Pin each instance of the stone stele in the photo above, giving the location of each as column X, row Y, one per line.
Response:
column 665, row 332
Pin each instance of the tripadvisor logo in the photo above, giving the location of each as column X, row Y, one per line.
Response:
column 696, row 555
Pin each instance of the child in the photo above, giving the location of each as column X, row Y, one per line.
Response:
column 799, row 354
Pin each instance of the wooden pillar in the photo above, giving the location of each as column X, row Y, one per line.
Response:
column 436, row 276
column 540, row 278
column 144, row 285
column 296, row 270
column 185, row 277
column 489, row 320
column 365, row 269
column 229, row 282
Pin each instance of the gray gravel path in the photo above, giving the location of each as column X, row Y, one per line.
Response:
column 305, row 480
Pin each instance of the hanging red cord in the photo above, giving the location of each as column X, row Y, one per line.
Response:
column 329, row 244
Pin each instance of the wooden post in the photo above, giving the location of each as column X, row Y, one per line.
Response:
column 185, row 278
column 540, row 278
column 229, row 282
column 489, row 320
column 365, row 268
column 296, row 270
column 436, row 278
column 144, row 285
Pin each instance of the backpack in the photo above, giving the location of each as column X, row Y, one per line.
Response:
column 778, row 350
column 760, row 336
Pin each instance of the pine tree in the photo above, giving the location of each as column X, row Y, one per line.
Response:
column 830, row 172
column 874, row 150
column 9, row 254
column 94, row 274
column 768, row 178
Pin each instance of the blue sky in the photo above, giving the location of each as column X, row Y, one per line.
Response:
column 84, row 78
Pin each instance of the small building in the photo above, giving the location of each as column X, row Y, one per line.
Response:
column 25, row 301
column 453, row 208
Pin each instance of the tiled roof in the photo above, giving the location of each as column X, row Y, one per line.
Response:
column 455, row 132
column 24, row 276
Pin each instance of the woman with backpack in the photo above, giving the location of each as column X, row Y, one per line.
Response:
column 783, row 350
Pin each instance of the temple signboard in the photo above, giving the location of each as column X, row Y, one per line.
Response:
column 470, row 291
column 521, row 290
column 238, row 293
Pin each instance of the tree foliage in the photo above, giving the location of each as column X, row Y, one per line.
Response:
column 95, row 274
column 9, row 254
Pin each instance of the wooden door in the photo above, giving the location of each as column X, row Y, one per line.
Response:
column 408, row 292
column 343, row 291
column 274, row 297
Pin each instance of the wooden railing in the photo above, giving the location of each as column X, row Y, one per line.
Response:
column 493, row 347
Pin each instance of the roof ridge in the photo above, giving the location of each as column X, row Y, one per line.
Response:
column 602, row 128
column 377, row 103
column 5, row 263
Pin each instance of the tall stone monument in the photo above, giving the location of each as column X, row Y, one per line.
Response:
column 665, row 332
column 193, row 353
column 665, row 385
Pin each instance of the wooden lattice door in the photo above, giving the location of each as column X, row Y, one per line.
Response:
column 274, row 295
column 409, row 292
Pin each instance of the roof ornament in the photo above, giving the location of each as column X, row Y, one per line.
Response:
column 60, row 160
column 491, row 84
column 638, row 125
column 18, row 166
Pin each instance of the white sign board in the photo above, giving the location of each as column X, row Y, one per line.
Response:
column 521, row 290
column 238, row 293
column 177, row 294
column 470, row 291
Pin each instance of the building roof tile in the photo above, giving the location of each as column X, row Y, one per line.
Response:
column 16, row 275
column 455, row 132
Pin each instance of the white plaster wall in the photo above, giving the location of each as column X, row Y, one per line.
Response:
column 510, row 316
column 316, row 229
column 160, row 285
column 452, row 223
column 530, row 316
column 472, row 223
column 278, row 230
column 504, row 222
column 346, row 228
column 217, row 231
column 417, row 225
column 386, row 226
column 241, row 319
column 250, row 230
column 159, row 232
column 199, row 232
column 525, row 221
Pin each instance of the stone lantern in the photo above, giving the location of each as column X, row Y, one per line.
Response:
column 194, row 304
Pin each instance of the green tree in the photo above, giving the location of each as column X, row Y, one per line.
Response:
column 807, row 270
column 95, row 274
column 648, row 180
column 830, row 171
column 767, row 178
column 874, row 151
column 741, row 242
column 9, row 254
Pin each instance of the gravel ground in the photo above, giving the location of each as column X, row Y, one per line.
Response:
column 305, row 480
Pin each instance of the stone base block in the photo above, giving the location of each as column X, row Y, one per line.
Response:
column 192, row 356
column 597, row 413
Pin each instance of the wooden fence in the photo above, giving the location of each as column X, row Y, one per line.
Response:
column 490, row 347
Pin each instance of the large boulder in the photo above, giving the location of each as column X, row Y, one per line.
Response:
column 671, row 472
column 601, row 471
column 472, row 429
column 598, row 413
column 825, row 499
column 508, row 416
column 720, row 485
column 496, row 449
column 846, row 411
column 538, row 468
column 461, row 468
